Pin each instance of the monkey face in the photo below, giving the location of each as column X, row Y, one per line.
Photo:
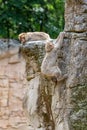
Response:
column 21, row 37
column 49, row 46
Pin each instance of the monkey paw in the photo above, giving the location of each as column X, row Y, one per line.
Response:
column 62, row 34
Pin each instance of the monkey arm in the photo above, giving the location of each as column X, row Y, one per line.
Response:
column 59, row 40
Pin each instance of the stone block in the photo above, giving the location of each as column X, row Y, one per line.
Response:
column 14, row 59
column 3, row 124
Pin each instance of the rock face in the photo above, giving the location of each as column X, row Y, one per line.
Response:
column 63, row 106
column 45, row 102
column 12, row 85
column 48, row 105
column 39, row 94
column 76, row 38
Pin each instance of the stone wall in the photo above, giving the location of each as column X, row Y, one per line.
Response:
column 18, row 65
column 12, row 86
column 76, row 28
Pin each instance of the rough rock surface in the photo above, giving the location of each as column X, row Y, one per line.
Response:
column 63, row 106
column 76, row 37
column 12, row 85
column 48, row 106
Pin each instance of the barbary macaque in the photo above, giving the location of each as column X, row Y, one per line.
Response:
column 49, row 67
column 33, row 36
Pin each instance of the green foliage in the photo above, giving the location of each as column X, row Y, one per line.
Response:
column 18, row 16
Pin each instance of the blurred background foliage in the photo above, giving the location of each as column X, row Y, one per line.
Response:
column 18, row 16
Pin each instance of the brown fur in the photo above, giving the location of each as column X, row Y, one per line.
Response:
column 49, row 67
column 49, row 46
column 33, row 36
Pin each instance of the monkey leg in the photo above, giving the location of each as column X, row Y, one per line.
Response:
column 52, row 71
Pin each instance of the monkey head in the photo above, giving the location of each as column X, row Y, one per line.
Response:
column 49, row 46
column 22, row 37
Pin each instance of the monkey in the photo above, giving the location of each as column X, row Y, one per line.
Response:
column 48, row 66
column 33, row 36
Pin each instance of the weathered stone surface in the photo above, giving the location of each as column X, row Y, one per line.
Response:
column 12, row 85
column 56, row 102
column 76, row 37
column 14, row 72
column 76, row 16
column 48, row 105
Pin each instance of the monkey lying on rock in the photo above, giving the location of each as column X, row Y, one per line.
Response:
column 49, row 67
column 33, row 36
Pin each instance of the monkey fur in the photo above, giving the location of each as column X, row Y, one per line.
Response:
column 33, row 36
column 49, row 67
